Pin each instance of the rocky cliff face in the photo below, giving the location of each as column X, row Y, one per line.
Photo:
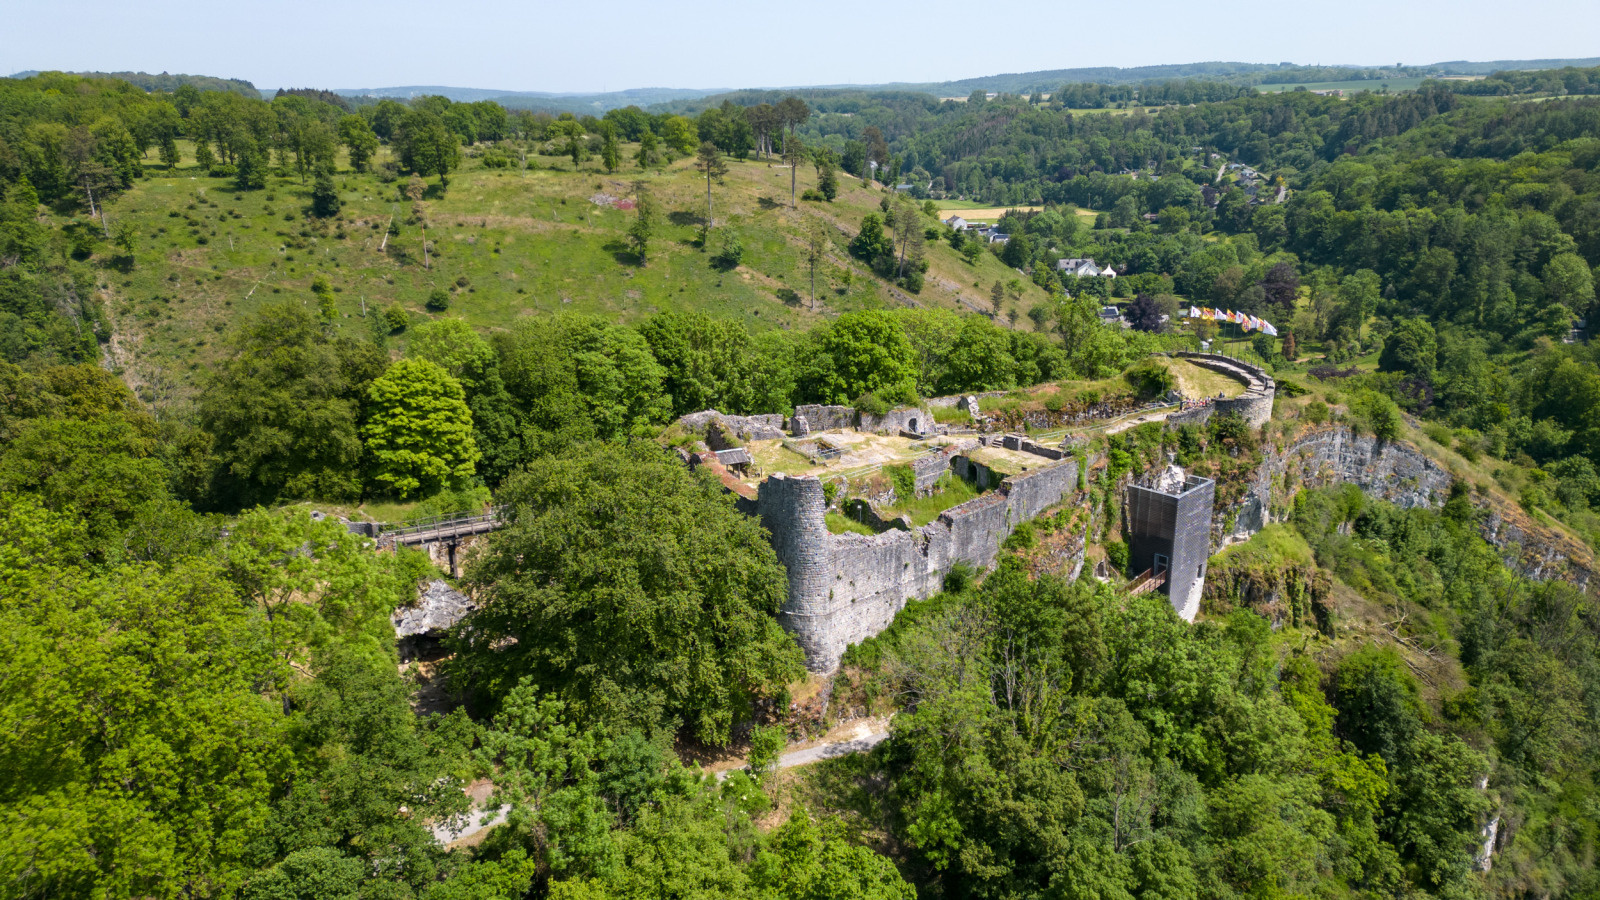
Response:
column 1401, row 474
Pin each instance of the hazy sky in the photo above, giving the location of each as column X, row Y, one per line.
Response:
column 591, row 46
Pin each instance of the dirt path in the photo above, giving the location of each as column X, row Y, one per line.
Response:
column 857, row 737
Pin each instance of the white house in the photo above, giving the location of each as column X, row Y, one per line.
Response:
column 1083, row 268
column 957, row 223
column 996, row 237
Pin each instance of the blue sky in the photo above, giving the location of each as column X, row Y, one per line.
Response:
column 590, row 46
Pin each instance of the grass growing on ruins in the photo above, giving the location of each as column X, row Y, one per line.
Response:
column 839, row 523
column 951, row 490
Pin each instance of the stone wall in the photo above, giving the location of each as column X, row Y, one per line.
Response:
column 748, row 428
column 1254, row 405
column 844, row 588
column 826, row 418
column 901, row 418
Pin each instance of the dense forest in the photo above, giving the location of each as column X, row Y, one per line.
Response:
column 201, row 681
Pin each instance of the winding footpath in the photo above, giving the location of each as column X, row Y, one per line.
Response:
column 866, row 734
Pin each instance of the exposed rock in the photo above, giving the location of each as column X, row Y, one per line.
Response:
column 438, row 607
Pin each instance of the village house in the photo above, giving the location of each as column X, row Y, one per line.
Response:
column 957, row 223
column 1084, row 268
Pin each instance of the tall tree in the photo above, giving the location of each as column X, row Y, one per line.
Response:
column 643, row 226
column 710, row 163
column 647, row 149
column 359, row 138
column 794, row 153
column 419, row 430
column 610, row 154
column 630, row 587
column 817, row 242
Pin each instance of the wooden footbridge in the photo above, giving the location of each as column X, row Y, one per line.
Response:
column 450, row 529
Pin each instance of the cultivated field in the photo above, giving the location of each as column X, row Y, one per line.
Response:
column 1392, row 84
column 972, row 212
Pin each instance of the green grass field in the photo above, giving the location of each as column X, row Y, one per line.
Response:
column 507, row 244
column 1392, row 84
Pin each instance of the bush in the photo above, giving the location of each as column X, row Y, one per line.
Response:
column 1117, row 555
column 1292, row 388
column 813, row 194
column 1022, row 538
column 960, row 578
column 397, row 318
column 1150, row 379
column 439, row 300
column 1316, row 412
column 223, row 170
column 904, row 481
column 731, row 254
column 872, row 405
column 1377, row 414
column 766, row 745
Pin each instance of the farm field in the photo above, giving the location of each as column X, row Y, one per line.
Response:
column 505, row 244
column 975, row 212
column 1393, row 84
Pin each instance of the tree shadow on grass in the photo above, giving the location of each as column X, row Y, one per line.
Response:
column 621, row 252
column 769, row 203
column 684, row 217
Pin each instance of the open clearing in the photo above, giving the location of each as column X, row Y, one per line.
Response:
column 506, row 244
column 987, row 213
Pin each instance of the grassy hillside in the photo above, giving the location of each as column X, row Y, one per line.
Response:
column 507, row 243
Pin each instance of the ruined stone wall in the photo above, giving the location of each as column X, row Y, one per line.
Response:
column 1254, row 405
column 748, row 428
column 826, row 418
column 844, row 588
column 904, row 418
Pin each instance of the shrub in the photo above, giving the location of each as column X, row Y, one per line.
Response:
column 912, row 281
column 397, row 318
column 872, row 405
column 731, row 254
column 959, row 578
column 1316, row 412
column 1150, row 379
column 1292, row 388
column 439, row 300
column 766, row 745
column 1022, row 538
column 904, row 481
column 223, row 170
column 812, row 194
column 1117, row 555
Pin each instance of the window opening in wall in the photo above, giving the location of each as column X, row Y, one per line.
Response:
column 914, row 427
column 1160, row 564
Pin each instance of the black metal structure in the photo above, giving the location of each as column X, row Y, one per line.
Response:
column 1169, row 534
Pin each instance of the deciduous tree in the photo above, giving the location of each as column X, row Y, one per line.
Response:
column 419, row 430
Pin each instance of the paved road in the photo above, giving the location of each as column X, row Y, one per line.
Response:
column 866, row 735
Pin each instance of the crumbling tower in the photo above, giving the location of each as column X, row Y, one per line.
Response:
column 1169, row 534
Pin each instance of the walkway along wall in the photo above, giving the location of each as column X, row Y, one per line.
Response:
column 844, row 588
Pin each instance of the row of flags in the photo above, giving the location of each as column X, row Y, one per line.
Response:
column 1247, row 322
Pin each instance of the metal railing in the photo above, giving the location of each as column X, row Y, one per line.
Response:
column 442, row 527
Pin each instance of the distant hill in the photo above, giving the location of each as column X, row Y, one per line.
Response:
column 168, row 83
column 1231, row 72
column 595, row 103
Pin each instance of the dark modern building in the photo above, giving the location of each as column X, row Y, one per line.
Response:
column 1169, row 533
